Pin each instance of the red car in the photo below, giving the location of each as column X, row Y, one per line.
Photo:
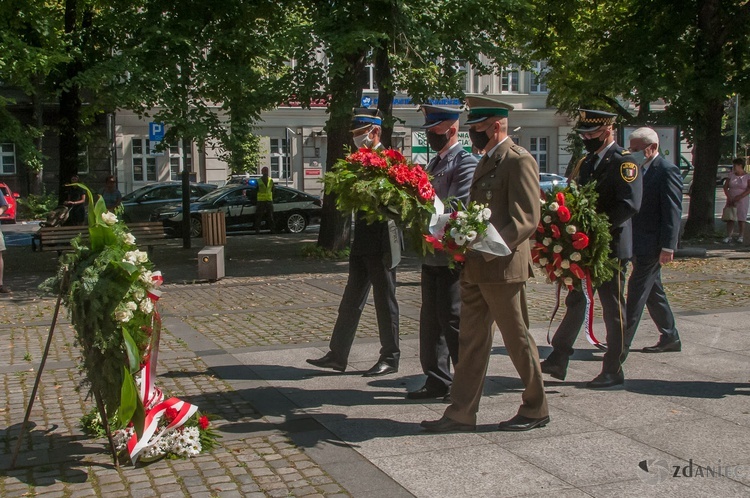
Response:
column 9, row 216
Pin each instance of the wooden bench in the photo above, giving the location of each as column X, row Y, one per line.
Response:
column 147, row 234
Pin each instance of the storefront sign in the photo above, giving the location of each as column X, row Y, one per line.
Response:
column 312, row 172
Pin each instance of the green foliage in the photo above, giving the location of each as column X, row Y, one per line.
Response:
column 35, row 207
column 242, row 150
column 314, row 251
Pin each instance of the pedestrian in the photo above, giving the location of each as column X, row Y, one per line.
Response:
column 493, row 288
column 370, row 265
column 3, row 207
column 736, row 190
column 264, row 203
column 75, row 200
column 451, row 170
column 656, row 230
column 111, row 195
column 620, row 189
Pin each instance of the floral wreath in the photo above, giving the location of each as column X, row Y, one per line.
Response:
column 381, row 184
column 110, row 291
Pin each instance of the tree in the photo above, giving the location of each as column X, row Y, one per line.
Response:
column 691, row 55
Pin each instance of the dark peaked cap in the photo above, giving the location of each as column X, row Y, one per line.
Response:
column 481, row 108
column 589, row 120
column 364, row 117
column 434, row 115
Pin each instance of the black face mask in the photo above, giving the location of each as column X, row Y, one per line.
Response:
column 437, row 142
column 480, row 139
column 593, row 144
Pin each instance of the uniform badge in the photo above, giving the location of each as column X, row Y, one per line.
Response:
column 488, row 194
column 628, row 172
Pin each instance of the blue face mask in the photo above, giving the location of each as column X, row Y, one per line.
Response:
column 638, row 157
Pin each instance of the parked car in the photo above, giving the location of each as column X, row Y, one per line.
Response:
column 686, row 170
column 246, row 179
column 9, row 216
column 139, row 204
column 547, row 181
column 722, row 173
column 293, row 210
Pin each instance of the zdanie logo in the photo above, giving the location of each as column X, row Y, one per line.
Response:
column 653, row 471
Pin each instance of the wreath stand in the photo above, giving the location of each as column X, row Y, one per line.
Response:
column 97, row 395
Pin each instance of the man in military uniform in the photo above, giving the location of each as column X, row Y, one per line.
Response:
column 370, row 265
column 451, row 170
column 493, row 288
column 620, row 189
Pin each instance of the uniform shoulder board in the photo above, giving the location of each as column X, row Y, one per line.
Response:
column 518, row 149
column 625, row 152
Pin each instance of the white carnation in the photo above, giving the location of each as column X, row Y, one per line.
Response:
column 486, row 213
column 576, row 256
column 558, row 272
column 147, row 278
column 123, row 315
column 546, row 241
column 554, row 206
column 543, row 261
column 138, row 295
column 571, row 229
column 558, row 248
column 146, row 306
column 109, row 218
column 565, row 264
column 568, row 281
column 547, row 219
column 462, row 214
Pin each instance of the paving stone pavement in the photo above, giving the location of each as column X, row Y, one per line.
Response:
column 227, row 346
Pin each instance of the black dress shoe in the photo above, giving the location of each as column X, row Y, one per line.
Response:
column 382, row 367
column 606, row 379
column 328, row 361
column 664, row 346
column 554, row 370
column 426, row 392
column 446, row 424
column 520, row 423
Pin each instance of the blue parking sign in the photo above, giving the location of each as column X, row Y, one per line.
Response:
column 155, row 131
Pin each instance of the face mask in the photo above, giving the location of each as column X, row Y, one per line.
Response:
column 593, row 144
column 480, row 139
column 638, row 157
column 437, row 142
column 363, row 140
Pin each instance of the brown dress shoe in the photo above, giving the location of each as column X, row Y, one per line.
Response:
column 445, row 424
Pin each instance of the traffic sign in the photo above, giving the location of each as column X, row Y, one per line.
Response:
column 155, row 131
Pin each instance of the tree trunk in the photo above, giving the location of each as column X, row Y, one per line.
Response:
column 70, row 108
column 385, row 93
column 36, row 178
column 335, row 227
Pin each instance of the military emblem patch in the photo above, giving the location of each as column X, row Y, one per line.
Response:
column 628, row 172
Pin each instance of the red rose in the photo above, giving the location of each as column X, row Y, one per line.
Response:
column 564, row 214
column 436, row 243
column 170, row 414
column 580, row 240
column 203, row 422
column 555, row 231
column 560, row 198
column 459, row 257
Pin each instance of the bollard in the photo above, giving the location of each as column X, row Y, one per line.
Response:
column 211, row 263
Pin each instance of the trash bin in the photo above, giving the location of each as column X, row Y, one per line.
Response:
column 214, row 228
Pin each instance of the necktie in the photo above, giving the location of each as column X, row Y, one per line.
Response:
column 433, row 163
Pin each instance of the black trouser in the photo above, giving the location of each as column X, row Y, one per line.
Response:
column 365, row 272
column 612, row 297
column 438, row 324
column 264, row 212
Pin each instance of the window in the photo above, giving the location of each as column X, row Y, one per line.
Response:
column 509, row 80
column 8, row 159
column 144, row 163
column 176, row 160
column 367, row 79
column 538, row 149
column 537, row 77
column 280, row 160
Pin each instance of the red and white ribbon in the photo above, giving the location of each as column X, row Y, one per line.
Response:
column 588, row 320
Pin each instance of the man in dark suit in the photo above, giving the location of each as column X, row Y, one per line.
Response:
column 493, row 288
column 451, row 170
column 370, row 265
column 620, row 189
column 656, row 230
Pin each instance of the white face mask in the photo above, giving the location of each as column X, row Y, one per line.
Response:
column 363, row 140
column 638, row 157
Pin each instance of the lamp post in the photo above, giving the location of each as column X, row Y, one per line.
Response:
column 736, row 118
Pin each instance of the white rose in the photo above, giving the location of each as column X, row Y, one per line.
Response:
column 146, row 306
column 123, row 315
column 554, row 206
column 129, row 239
column 461, row 214
column 460, row 239
column 576, row 256
column 139, row 294
column 130, row 257
column 147, row 277
column 546, row 241
column 486, row 213
column 568, row 281
column 558, row 272
column 109, row 218
column 558, row 249
column 471, row 235
column 141, row 256
column 547, row 219
column 565, row 264
column 130, row 305
column 571, row 229
column 454, row 232
column 543, row 261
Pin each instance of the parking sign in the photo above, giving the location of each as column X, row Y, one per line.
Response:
column 156, row 131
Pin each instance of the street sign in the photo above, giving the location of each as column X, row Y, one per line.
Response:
column 366, row 101
column 155, row 131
